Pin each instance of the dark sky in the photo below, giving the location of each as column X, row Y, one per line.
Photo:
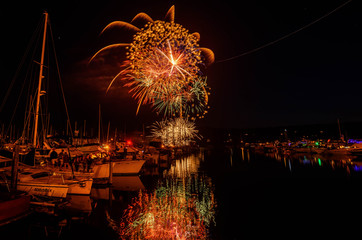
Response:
column 311, row 77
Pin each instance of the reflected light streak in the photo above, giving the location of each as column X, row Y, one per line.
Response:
column 181, row 207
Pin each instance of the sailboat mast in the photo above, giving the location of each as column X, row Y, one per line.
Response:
column 109, row 124
column 40, row 79
column 340, row 132
column 99, row 124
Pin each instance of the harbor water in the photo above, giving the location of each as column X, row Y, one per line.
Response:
column 218, row 193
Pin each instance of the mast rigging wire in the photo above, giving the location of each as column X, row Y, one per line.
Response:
column 60, row 80
column 285, row 36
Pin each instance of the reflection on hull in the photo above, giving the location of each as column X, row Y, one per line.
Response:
column 80, row 203
column 127, row 183
column 119, row 183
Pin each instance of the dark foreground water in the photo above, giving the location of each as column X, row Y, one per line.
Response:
column 220, row 193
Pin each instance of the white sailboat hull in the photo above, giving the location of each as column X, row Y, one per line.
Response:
column 123, row 167
column 40, row 189
column 56, row 185
column 82, row 187
column 101, row 171
column 127, row 167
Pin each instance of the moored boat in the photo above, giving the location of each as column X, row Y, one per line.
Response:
column 14, row 205
column 127, row 167
column 44, row 189
column 52, row 184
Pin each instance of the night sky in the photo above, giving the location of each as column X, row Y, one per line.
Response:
column 311, row 77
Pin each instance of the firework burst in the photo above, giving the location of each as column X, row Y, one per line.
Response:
column 176, row 132
column 164, row 66
column 191, row 100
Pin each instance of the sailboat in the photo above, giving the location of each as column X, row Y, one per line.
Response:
column 52, row 184
column 114, row 165
column 45, row 182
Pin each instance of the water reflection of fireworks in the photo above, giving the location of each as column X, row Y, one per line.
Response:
column 176, row 209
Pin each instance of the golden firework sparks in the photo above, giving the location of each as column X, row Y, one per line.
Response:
column 176, row 132
column 163, row 65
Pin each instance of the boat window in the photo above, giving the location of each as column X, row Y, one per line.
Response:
column 39, row 175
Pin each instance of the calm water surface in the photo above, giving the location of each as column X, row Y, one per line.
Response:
column 219, row 193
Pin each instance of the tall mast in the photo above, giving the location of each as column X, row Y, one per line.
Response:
column 99, row 124
column 109, row 124
column 340, row 132
column 40, row 79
